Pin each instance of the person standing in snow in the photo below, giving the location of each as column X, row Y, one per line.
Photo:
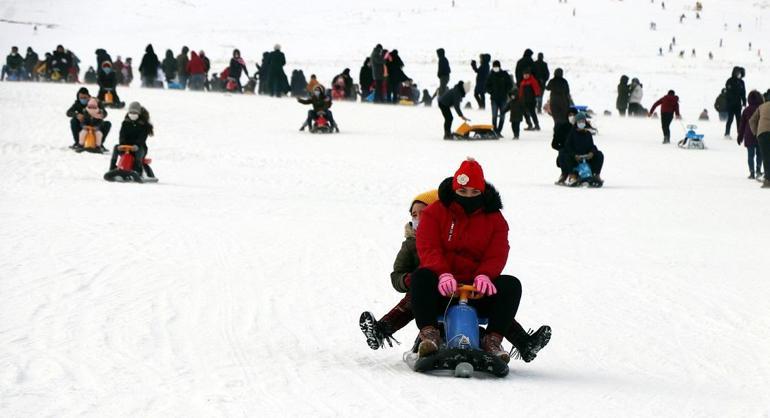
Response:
column 148, row 68
column 482, row 73
column 720, row 104
column 759, row 123
column 498, row 84
column 635, row 96
column 169, row 66
column 278, row 80
column 236, row 68
column 453, row 98
column 735, row 97
column 746, row 137
column 377, row 61
column 542, row 75
column 196, row 71
column 529, row 89
column 522, row 65
column 365, row 79
column 559, row 103
column 669, row 105
column 443, row 71
column 623, row 92
column 181, row 63
column 516, row 109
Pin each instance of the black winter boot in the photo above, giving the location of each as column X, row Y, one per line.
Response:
column 528, row 347
column 376, row 333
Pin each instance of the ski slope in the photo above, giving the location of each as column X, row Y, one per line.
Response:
column 233, row 286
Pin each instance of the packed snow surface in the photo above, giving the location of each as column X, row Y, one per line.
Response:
column 233, row 286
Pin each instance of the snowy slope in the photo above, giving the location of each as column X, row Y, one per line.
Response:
column 233, row 287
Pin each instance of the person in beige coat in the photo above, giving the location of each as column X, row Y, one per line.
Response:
column 760, row 127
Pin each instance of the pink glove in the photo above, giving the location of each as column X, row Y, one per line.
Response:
column 484, row 285
column 447, row 284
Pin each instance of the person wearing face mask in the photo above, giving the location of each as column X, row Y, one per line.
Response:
column 463, row 239
column 77, row 112
column 580, row 146
column 108, row 82
column 135, row 130
column 377, row 332
column 735, row 98
column 92, row 118
column 499, row 83
column 321, row 102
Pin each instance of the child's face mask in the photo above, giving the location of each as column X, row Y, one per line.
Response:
column 83, row 101
column 581, row 125
column 495, row 69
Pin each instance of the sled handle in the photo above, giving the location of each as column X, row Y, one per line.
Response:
column 126, row 148
column 466, row 291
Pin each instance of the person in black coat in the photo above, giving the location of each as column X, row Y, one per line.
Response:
column 498, row 84
column 30, row 62
column 542, row 74
column 90, row 76
column 396, row 75
column 135, row 129
column 482, row 73
column 579, row 146
column 443, row 71
column 77, row 112
column 170, row 66
column 452, row 98
column 516, row 108
column 365, row 79
column 624, row 90
column 523, row 65
column 148, row 68
column 278, row 80
column 735, row 96
column 101, row 57
column 236, row 68
column 298, row 84
column 560, row 101
column 61, row 61
column 108, row 81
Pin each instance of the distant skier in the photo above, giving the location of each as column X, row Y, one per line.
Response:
column 452, row 99
column 735, row 97
column 669, row 105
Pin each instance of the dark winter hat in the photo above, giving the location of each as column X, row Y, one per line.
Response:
column 671, row 92
column 440, row 51
column 134, row 107
column 558, row 73
column 496, row 63
column 83, row 90
column 470, row 174
column 581, row 116
column 528, row 52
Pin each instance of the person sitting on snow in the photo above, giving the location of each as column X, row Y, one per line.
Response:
column 321, row 102
column 377, row 332
column 77, row 112
column 108, row 81
column 580, row 146
column 135, row 129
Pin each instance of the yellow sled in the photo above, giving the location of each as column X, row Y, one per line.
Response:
column 466, row 131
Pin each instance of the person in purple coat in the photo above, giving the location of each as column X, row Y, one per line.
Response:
column 748, row 139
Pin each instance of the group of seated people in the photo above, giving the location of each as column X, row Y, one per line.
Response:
column 577, row 148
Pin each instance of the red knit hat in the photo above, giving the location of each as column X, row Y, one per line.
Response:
column 469, row 174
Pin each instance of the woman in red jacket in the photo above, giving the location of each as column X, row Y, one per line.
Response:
column 196, row 68
column 463, row 238
column 669, row 104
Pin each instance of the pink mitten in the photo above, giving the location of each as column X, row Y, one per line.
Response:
column 447, row 284
column 484, row 285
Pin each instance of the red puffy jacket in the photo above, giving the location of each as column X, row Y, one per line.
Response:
column 450, row 241
column 668, row 104
column 531, row 82
column 196, row 65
